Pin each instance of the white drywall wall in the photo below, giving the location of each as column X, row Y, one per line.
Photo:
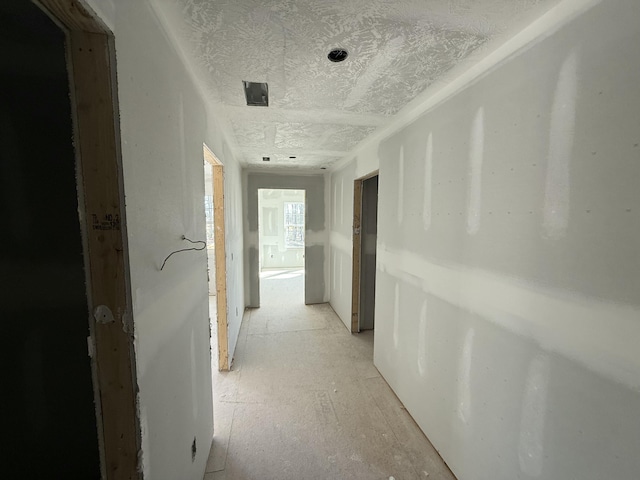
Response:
column 164, row 123
column 507, row 307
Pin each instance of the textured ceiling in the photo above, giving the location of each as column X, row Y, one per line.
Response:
column 318, row 110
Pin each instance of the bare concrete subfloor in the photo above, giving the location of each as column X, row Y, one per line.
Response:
column 304, row 401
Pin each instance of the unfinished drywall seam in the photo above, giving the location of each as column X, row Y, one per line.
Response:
column 428, row 184
column 422, row 340
column 547, row 317
column 396, row 316
column 464, row 377
column 555, row 317
column 531, row 441
column 476, row 157
column 400, row 190
column 561, row 135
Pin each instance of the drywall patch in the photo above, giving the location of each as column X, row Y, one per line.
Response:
column 476, row 157
column 561, row 135
column 103, row 314
column 314, row 283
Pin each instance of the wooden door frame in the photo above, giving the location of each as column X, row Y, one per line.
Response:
column 94, row 104
column 220, row 257
column 357, row 250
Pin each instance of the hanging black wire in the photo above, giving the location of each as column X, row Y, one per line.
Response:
column 204, row 245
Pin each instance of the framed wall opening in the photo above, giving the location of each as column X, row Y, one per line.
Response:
column 48, row 386
column 216, row 257
column 281, row 245
column 365, row 221
column 316, row 247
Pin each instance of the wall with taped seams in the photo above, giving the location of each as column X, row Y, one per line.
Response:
column 506, row 300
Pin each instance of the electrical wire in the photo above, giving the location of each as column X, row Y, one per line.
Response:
column 204, row 245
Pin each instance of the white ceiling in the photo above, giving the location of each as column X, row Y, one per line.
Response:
column 318, row 110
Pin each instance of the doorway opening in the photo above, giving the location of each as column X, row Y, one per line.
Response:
column 365, row 231
column 90, row 56
column 49, row 389
column 216, row 258
column 281, row 239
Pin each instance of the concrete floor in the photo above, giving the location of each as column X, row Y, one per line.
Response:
column 303, row 401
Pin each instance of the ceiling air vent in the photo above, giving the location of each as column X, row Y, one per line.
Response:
column 257, row 94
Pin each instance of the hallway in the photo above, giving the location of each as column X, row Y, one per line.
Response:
column 304, row 401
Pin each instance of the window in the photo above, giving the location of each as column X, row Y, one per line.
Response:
column 208, row 215
column 294, row 224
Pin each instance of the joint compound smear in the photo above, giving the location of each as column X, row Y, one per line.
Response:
column 534, row 408
column 428, row 169
column 401, row 185
column 562, row 131
column 342, row 201
column 464, row 377
column 396, row 316
column 422, row 340
column 476, row 156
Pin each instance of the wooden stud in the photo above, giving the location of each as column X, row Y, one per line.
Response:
column 357, row 240
column 103, row 215
column 221, row 268
column 209, row 156
column 221, row 258
column 92, row 77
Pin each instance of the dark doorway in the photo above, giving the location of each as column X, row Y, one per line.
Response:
column 369, row 231
column 50, row 419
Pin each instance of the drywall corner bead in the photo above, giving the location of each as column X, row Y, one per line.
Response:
column 103, row 314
